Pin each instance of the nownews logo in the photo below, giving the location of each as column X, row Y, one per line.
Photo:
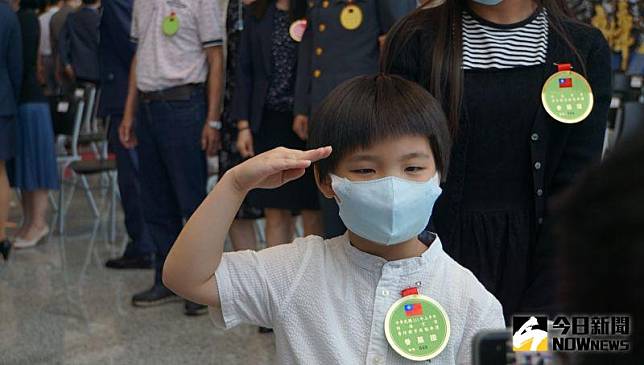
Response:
column 578, row 333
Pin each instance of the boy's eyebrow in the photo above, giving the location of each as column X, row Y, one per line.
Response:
column 359, row 158
column 409, row 156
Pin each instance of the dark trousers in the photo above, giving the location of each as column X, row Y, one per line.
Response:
column 127, row 164
column 173, row 167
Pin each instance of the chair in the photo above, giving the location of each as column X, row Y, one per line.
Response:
column 85, row 104
column 633, row 119
column 625, row 90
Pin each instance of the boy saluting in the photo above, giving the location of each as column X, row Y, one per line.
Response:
column 385, row 292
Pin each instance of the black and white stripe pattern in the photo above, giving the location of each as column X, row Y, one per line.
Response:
column 486, row 46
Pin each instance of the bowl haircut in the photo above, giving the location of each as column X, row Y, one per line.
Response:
column 366, row 110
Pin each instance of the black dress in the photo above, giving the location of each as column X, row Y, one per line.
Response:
column 276, row 127
column 507, row 158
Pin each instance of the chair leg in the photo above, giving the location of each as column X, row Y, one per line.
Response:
column 61, row 208
column 89, row 195
column 52, row 201
column 112, row 218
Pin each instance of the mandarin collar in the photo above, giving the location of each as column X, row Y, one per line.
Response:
column 410, row 265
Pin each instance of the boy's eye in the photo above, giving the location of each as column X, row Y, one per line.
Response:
column 363, row 171
column 414, row 169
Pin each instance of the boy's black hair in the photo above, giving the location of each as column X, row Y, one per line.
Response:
column 89, row 2
column 368, row 109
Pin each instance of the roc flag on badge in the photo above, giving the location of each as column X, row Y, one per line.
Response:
column 415, row 309
column 565, row 82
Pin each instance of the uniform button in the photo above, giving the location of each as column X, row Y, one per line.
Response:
column 322, row 27
column 540, row 220
column 311, row 4
column 318, row 51
column 317, row 73
column 539, row 192
column 537, row 165
column 325, row 4
column 385, row 293
column 534, row 137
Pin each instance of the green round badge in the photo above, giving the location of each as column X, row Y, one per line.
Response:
column 170, row 25
column 567, row 97
column 417, row 327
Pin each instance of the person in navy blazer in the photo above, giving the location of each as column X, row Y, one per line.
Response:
column 10, row 80
column 254, row 67
column 115, row 57
column 263, row 104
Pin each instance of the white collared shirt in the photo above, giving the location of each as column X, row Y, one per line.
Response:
column 327, row 300
column 45, row 19
column 168, row 61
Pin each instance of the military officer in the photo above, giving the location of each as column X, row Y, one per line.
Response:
column 341, row 41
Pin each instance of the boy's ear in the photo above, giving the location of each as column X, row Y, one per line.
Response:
column 324, row 184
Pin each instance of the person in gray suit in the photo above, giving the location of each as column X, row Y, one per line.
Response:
column 342, row 40
column 10, row 82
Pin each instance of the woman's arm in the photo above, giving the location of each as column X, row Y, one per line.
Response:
column 302, row 102
column 243, row 75
column 190, row 267
column 584, row 142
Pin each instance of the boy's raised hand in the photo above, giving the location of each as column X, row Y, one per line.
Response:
column 275, row 168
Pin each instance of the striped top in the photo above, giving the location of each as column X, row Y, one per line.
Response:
column 494, row 46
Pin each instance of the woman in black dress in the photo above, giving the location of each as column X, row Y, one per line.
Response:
column 487, row 61
column 263, row 107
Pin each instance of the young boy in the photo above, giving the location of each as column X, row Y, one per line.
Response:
column 383, row 293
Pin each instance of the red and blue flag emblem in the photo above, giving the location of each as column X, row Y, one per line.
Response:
column 415, row 309
column 565, row 82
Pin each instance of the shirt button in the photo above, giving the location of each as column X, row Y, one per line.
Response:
column 325, row 4
column 385, row 293
column 534, row 137
column 318, row 51
column 317, row 74
column 322, row 27
column 537, row 165
column 539, row 192
column 377, row 360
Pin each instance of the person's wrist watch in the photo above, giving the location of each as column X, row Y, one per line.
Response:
column 215, row 124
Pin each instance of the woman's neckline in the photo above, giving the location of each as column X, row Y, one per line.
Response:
column 514, row 25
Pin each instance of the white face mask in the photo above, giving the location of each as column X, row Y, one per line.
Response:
column 387, row 211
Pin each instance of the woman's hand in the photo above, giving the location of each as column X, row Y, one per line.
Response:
column 301, row 126
column 275, row 168
column 245, row 143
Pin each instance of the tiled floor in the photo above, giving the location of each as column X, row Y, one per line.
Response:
column 59, row 305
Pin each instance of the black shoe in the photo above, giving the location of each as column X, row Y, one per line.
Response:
column 5, row 248
column 193, row 309
column 265, row 330
column 154, row 296
column 136, row 262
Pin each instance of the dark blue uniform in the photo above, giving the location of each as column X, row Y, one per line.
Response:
column 331, row 53
column 10, row 77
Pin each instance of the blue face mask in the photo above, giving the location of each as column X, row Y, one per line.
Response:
column 387, row 211
column 488, row 2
